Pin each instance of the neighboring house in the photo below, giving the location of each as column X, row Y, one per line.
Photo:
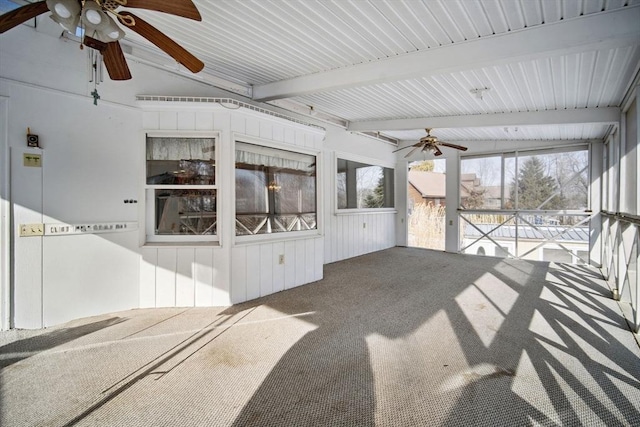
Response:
column 427, row 187
column 430, row 187
column 576, row 242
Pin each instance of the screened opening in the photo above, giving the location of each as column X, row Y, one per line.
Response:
column 275, row 190
column 364, row 186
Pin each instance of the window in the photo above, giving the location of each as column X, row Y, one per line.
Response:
column 275, row 190
column 527, row 180
column 364, row 186
column 181, row 188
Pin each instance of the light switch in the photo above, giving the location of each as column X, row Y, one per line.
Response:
column 32, row 160
column 27, row 230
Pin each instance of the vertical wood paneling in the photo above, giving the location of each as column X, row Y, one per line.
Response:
column 278, row 269
column 310, row 258
column 221, row 291
column 204, row 120
column 266, row 130
column 238, row 123
column 278, row 133
column 222, row 122
column 239, row 275
column 289, row 264
column 266, row 269
column 168, row 120
column 151, row 120
column 289, row 136
column 203, row 275
column 253, row 126
column 166, row 278
column 319, row 261
column 347, row 238
column 251, row 266
column 186, row 120
column 148, row 277
column 300, row 263
column 185, row 281
column 300, row 138
column 220, row 275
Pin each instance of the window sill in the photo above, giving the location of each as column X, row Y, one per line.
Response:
column 277, row 237
column 181, row 244
column 365, row 211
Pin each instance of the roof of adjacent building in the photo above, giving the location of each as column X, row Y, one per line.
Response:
column 428, row 184
column 577, row 234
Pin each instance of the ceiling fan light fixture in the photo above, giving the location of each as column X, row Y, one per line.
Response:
column 93, row 16
column 111, row 32
column 66, row 13
column 62, row 11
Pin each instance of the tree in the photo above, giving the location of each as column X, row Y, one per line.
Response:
column 375, row 198
column 475, row 199
column 424, row 166
column 535, row 189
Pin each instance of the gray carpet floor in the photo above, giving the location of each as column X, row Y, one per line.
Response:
column 401, row 337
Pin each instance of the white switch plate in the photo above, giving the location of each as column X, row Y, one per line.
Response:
column 27, row 230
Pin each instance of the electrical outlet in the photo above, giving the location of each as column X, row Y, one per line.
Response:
column 281, row 259
column 364, row 225
column 27, row 230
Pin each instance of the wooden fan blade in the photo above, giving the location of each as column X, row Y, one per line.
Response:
column 457, row 147
column 21, row 14
column 159, row 39
column 112, row 56
column 184, row 8
column 412, row 151
column 115, row 62
column 417, row 144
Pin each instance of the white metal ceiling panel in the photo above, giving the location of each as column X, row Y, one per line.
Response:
column 585, row 80
column 256, row 42
column 260, row 41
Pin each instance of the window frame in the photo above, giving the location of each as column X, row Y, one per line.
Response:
column 284, row 235
column 148, row 192
column 517, row 155
column 371, row 162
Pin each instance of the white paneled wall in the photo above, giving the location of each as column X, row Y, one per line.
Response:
column 182, row 277
column 257, row 271
column 350, row 235
column 229, row 272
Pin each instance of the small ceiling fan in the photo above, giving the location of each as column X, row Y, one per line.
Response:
column 430, row 143
column 103, row 34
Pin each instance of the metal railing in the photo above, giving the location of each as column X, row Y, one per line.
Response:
column 620, row 255
column 520, row 233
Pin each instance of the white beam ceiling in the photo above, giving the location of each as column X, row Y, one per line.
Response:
column 598, row 31
column 600, row 116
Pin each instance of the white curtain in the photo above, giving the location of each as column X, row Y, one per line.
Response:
column 271, row 157
column 180, row 148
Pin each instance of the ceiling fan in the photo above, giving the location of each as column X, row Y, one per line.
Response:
column 103, row 34
column 430, row 143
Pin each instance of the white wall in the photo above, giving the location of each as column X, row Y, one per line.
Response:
column 349, row 234
column 234, row 271
column 93, row 161
column 88, row 169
